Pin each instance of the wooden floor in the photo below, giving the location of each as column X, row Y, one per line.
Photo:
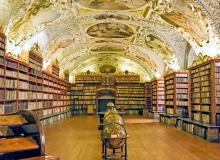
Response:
column 77, row 139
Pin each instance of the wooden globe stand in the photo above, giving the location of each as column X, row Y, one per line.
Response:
column 119, row 154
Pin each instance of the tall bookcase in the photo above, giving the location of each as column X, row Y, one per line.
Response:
column 130, row 93
column 131, row 97
column 2, row 72
column 205, row 89
column 158, row 98
column 148, row 96
column 176, row 97
column 2, row 44
column 204, row 108
column 23, row 85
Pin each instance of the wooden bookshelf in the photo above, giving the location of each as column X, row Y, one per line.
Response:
column 25, row 86
column 2, row 44
column 205, row 92
column 127, row 78
column 177, row 94
column 130, row 93
column 148, row 96
column 84, row 95
column 176, row 97
column 131, row 97
column 55, row 70
column 157, row 98
column 204, row 108
column 88, row 78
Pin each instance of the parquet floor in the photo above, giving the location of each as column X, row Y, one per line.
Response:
column 76, row 138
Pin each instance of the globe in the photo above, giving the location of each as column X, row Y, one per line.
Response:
column 113, row 118
column 110, row 111
column 114, row 135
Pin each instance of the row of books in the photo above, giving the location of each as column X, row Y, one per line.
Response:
column 158, row 108
column 23, row 68
column 158, row 102
column 11, row 64
column 2, row 94
column 178, row 102
column 178, row 75
column 35, row 64
column 23, row 95
column 118, row 102
column 205, row 94
column 2, row 46
column 131, row 107
column 169, row 110
column 181, row 85
column 23, row 76
column 130, row 99
column 2, row 72
column 2, row 53
column 11, row 73
column 205, row 78
column 201, row 107
column 87, row 102
column 204, row 89
column 204, row 118
column 206, row 72
column 11, row 95
column 217, row 69
column 8, row 108
column 89, row 93
column 202, row 100
column 171, row 81
column 86, row 97
column 2, row 82
column 131, row 95
column 181, row 80
column 35, row 72
column 2, row 60
column 185, row 91
column 194, row 129
column 169, row 87
column 158, row 97
column 129, row 89
column 182, row 96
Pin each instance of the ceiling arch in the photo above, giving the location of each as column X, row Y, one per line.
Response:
column 162, row 29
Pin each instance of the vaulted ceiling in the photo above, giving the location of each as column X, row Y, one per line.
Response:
column 147, row 37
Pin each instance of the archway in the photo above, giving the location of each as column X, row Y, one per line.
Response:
column 104, row 95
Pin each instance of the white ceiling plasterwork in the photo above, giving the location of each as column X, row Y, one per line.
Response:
column 156, row 29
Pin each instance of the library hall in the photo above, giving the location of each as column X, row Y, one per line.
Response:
column 109, row 79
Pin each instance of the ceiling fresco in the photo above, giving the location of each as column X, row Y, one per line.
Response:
column 112, row 4
column 190, row 23
column 110, row 30
column 144, row 36
column 157, row 45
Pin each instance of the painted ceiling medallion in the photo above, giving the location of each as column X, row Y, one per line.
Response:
column 110, row 30
column 112, row 4
column 189, row 23
column 157, row 45
column 107, row 69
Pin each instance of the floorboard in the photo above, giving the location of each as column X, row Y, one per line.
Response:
column 76, row 138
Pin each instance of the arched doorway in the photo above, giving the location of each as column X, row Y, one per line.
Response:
column 104, row 95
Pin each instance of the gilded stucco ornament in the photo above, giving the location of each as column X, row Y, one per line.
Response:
column 63, row 24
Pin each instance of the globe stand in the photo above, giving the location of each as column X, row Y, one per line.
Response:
column 120, row 155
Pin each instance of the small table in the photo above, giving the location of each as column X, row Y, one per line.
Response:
column 17, row 145
column 12, row 120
